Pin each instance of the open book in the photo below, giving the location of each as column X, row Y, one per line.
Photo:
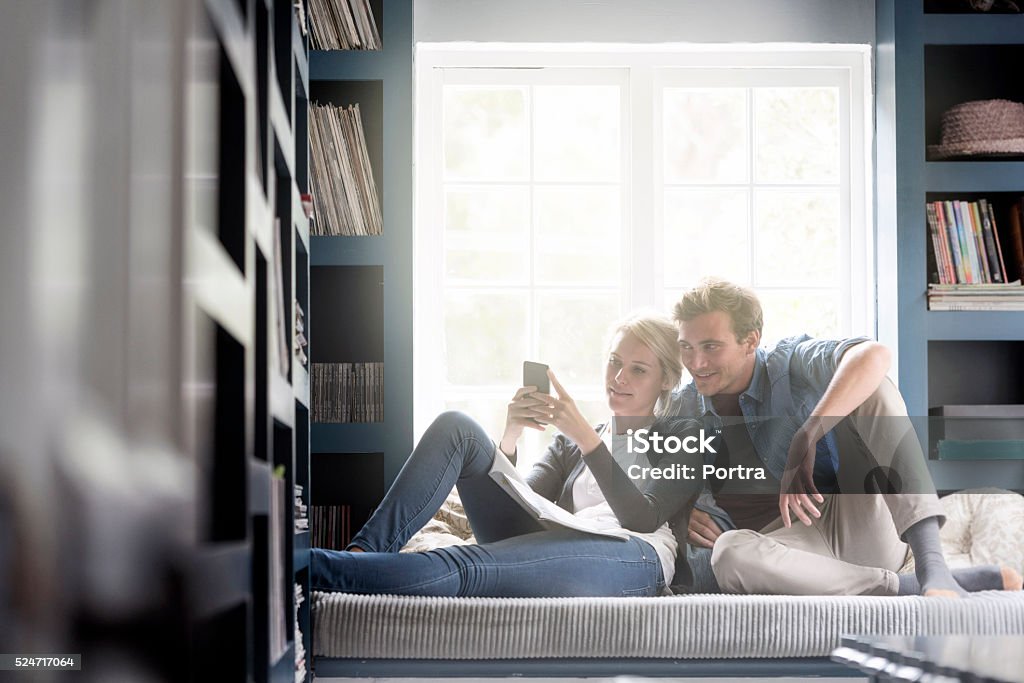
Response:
column 544, row 511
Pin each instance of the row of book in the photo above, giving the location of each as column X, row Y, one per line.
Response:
column 344, row 192
column 348, row 392
column 301, row 515
column 332, row 526
column 300, row 648
column 343, row 25
column 968, row 246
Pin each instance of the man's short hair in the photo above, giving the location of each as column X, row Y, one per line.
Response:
column 713, row 294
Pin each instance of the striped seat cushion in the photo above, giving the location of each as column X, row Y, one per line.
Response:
column 693, row 626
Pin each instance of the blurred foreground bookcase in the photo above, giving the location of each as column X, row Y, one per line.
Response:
column 247, row 265
column 361, row 290
column 928, row 61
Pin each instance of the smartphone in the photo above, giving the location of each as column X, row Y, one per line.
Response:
column 536, row 375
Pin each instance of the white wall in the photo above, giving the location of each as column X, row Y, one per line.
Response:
column 645, row 21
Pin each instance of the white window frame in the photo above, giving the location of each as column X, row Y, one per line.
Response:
column 648, row 68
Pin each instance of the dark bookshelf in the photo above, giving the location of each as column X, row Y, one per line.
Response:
column 258, row 426
column 148, row 390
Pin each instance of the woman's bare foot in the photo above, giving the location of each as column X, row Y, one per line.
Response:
column 940, row 593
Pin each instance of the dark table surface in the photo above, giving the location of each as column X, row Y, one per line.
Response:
column 936, row 659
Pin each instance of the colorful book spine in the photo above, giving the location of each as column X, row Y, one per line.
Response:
column 933, row 231
column 944, row 237
column 981, row 216
column 1016, row 240
column 979, row 241
column 954, row 242
column 966, row 241
column 991, row 214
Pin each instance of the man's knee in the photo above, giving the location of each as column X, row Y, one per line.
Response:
column 732, row 558
column 885, row 401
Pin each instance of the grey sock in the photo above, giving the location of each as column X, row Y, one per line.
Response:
column 930, row 566
column 987, row 577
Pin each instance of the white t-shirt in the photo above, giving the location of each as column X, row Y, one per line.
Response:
column 589, row 503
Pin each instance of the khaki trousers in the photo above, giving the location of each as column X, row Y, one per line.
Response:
column 854, row 548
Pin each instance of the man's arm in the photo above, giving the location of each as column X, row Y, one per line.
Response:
column 859, row 372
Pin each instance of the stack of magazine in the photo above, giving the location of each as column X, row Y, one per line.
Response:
column 348, row 392
column 343, row 25
column 992, row 297
column 344, row 191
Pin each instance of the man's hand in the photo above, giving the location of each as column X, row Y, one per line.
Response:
column 703, row 530
column 798, row 490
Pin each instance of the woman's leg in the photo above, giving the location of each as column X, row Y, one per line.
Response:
column 453, row 450
column 559, row 563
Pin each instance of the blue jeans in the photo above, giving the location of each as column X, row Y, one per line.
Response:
column 516, row 556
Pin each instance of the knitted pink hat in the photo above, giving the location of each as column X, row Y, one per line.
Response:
column 982, row 127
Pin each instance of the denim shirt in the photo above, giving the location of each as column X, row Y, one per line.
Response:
column 788, row 382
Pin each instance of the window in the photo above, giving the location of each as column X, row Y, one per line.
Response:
column 558, row 188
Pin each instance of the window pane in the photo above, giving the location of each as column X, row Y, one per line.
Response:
column 576, row 133
column 705, row 234
column 705, row 133
column 797, row 133
column 485, row 337
column 577, row 236
column 795, row 312
column 797, row 237
column 571, row 335
column 487, row 235
column 486, row 133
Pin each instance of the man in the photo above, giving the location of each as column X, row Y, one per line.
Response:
column 813, row 414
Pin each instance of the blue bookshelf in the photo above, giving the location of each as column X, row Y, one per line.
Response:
column 970, row 29
column 349, row 251
column 926, row 63
column 345, row 76
column 352, row 437
column 350, row 65
column 974, row 176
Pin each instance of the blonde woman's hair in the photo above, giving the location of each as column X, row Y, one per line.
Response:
column 713, row 294
column 655, row 331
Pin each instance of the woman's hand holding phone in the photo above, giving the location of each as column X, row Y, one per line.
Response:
column 561, row 411
column 519, row 415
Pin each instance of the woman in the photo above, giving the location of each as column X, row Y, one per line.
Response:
column 515, row 555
